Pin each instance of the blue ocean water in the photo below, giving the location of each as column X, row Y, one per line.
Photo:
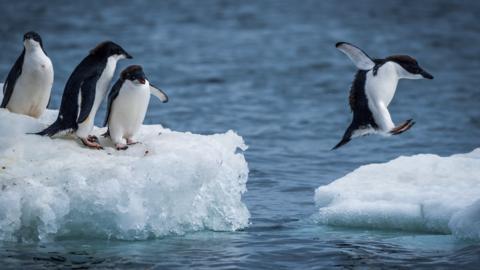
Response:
column 269, row 70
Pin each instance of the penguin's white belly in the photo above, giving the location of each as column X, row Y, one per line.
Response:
column 32, row 89
column 380, row 90
column 128, row 111
column 382, row 87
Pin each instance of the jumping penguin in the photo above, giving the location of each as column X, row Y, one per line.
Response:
column 29, row 83
column 373, row 89
column 127, row 105
column 84, row 92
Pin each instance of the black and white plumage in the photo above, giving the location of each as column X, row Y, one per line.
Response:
column 127, row 105
column 373, row 89
column 28, row 85
column 84, row 92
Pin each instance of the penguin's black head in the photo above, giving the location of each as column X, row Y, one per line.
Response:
column 33, row 36
column 410, row 65
column 134, row 73
column 109, row 48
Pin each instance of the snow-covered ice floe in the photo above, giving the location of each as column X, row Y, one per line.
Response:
column 420, row 193
column 171, row 183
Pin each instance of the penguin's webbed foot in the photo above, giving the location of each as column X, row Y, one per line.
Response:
column 92, row 139
column 120, row 146
column 90, row 144
column 402, row 127
column 131, row 142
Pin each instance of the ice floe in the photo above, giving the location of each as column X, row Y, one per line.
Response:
column 422, row 193
column 171, row 183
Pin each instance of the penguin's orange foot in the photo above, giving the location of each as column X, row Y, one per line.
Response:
column 92, row 138
column 89, row 144
column 402, row 127
column 120, row 146
column 130, row 142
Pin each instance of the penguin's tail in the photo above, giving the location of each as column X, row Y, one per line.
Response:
column 347, row 136
column 53, row 129
column 341, row 143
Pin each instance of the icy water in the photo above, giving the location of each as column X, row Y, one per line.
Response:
column 269, row 70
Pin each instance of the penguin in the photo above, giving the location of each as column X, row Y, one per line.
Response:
column 373, row 89
column 29, row 83
column 127, row 105
column 84, row 91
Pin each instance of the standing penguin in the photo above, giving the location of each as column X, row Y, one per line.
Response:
column 373, row 89
column 127, row 105
column 84, row 92
column 29, row 82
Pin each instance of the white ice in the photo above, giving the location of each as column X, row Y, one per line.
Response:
column 420, row 193
column 172, row 183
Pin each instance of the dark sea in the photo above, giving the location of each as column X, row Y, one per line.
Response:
column 269, row 70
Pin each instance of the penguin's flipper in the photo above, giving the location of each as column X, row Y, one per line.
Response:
column 87, row 92
column 111, row 97
column 158, row 93
column 402, row 127
column 12, row 79
column 49, row 101
column 361, row 60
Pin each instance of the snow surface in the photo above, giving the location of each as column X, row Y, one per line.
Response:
column 172, row 183
column 422, row 193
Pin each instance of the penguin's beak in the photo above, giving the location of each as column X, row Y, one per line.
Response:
column 141, row 80
column 426, row 75
column 128, row 56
